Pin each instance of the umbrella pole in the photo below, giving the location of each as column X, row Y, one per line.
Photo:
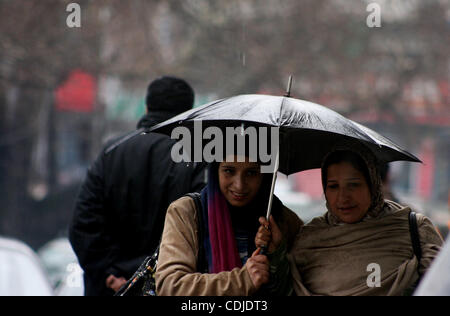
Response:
column 269, row 206
column 272, row 189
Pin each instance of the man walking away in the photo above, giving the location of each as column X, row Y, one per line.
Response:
column 120, row 211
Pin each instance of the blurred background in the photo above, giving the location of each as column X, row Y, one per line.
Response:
column 64, row 91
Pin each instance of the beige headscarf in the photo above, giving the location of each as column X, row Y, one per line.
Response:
column 377, row 207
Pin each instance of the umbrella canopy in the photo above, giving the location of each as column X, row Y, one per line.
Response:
column 308, row 131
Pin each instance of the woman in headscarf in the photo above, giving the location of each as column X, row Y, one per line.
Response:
column 236, row 196
column 362, row 245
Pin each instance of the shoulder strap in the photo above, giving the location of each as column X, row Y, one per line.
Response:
column 414, row 231
column 201, row 263
column 124, row 139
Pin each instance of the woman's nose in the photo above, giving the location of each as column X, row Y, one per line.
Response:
column 343, row 195
column 239, row 183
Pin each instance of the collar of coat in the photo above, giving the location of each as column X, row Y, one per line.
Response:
column 153, row 118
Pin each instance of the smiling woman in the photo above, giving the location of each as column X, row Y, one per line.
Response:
column 235, row 198
column 352, row 185
column 347, row 188
column 335, row 253
column 239, row 182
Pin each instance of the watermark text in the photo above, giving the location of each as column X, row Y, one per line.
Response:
column 74, row 18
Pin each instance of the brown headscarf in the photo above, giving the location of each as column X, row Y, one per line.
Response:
column 377, row 207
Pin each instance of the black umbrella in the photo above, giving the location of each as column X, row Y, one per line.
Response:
column 307, row 131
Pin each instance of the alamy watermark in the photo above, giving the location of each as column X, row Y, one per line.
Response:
column 74, row 18
column 74, row 277
column 235, row 141
column 374, row 18
column 374, row 278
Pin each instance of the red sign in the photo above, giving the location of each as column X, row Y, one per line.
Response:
column 77, row 93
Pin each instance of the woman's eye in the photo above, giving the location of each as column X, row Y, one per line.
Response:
column 252, row 173
column 332, row 186
column 354, row 185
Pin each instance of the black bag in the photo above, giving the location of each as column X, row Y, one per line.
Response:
column 142, row 283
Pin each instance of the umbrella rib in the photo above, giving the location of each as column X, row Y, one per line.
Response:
column 367, row 134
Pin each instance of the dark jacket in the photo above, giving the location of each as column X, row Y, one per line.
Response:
column 120, row 211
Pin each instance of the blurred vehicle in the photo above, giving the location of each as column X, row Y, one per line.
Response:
column 437, row 280
column 61, row 263
column 21, row 273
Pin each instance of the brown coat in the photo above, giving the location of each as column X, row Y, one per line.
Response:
column 176, row 273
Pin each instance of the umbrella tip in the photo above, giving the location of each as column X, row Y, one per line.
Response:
column 288, row 90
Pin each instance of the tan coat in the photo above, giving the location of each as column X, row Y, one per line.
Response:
column 176, row 273
column 335, row 260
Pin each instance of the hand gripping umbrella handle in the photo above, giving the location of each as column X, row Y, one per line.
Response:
column 263, row 250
